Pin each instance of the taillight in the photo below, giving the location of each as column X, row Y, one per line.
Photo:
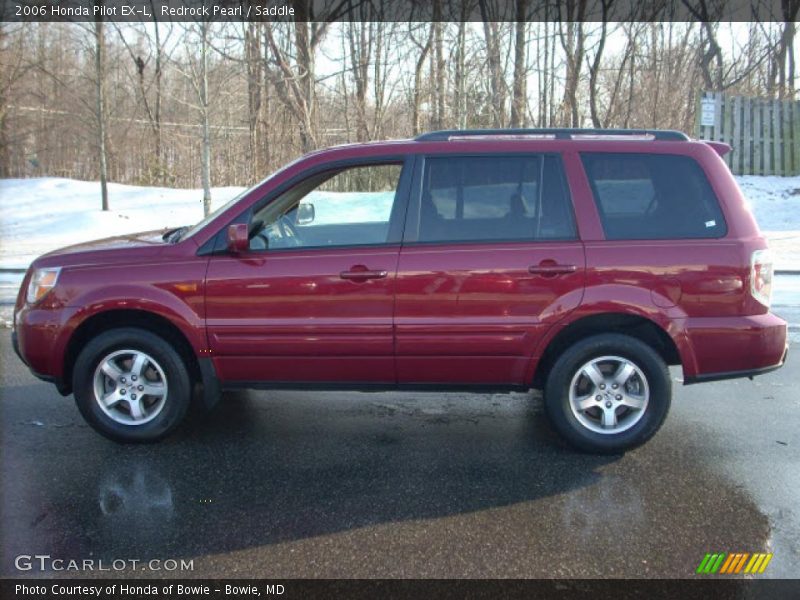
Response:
column 761, row 276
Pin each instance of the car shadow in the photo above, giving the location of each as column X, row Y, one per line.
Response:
column 264, row 468
column 356, row 484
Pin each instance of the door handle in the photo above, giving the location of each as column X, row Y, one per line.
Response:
column 356, row 273
column 551, row 269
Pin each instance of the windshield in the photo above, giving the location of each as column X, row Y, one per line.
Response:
column 214, row 214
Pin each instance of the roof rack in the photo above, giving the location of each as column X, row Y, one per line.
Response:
column 559, row 134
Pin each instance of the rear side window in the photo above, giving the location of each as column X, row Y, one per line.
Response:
column 489, row 198
column 653, row 196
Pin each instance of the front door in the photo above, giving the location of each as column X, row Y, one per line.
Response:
column 490, row 260
column 312, row 299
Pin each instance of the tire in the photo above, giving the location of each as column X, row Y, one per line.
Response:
column 143, row 380
column 612, row 419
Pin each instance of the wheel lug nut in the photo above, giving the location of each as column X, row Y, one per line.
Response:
column 133, row 396
column 141, row 388
column 133, row 377
column 608, row 405
column 598, row 397
column 122, row 392
column 602, row 386
column 122, row 380
column 619, row 396
column 615, row 386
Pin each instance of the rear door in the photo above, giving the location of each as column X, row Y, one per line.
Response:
column 490, row 259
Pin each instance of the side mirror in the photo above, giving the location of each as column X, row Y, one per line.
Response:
column 238, row 238
column 305, row 213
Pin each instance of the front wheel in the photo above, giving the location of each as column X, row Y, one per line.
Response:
column 608, row 393
column 131, row 385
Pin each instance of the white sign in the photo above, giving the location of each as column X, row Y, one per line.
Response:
column 708, row 112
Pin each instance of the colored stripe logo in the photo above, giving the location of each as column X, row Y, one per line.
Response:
column 733, row 563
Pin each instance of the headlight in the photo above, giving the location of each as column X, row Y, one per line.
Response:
column 42, row 281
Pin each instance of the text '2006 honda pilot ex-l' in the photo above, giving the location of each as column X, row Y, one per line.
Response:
column 578, row 262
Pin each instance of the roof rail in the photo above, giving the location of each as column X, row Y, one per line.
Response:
column 559, row 134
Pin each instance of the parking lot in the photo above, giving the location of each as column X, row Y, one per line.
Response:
column 296, row 484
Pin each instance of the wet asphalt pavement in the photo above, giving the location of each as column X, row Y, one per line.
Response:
column 296, row 484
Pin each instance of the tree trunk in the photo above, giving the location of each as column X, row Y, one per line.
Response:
column 205, row 167
column 594, row 68
column 439, row 88
column 460, row 76
column 492, row 35
column 520, row 67
column 161, row 167
column 572, row 42
column 252, row 46
column 415, row 117
column 100, row 107
column 305, row 75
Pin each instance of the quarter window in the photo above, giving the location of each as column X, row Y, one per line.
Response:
column 653, row 196
column 521, row 197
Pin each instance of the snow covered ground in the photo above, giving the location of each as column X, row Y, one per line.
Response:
column 39, row 215
column 775, row 201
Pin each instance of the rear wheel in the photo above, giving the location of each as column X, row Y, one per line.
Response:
column 131, row 385
column 608, row 393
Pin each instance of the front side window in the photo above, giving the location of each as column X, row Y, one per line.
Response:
column 653, row 196
column 349, row 207
column 494, row 198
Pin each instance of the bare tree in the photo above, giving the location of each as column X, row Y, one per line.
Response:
column 226, row 102
column 492, row 35
column 293, row 62
column 157, row 53
column 711, row 64
column 100, row 97
column 573, row 36
column 439, row 90
column 519, row 87
column 416, row 126
column 195, row 73
column 15, row 65
column 596, row 63
column 782, row 64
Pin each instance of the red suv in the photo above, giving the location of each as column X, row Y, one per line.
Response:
column 578, row 262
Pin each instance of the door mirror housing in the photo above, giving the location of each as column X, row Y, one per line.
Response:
column 238, row 238
column 305, row 213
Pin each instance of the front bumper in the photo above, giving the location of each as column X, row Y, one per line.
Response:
column 38, row 341
column 15, row 344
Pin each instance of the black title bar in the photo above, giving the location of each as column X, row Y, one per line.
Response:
column 389, row 10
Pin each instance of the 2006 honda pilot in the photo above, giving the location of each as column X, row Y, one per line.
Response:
column 578, row 262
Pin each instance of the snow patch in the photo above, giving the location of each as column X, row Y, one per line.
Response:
column 44, row 214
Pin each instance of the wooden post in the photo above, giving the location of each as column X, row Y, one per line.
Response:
column 766, row 123
column 785, row 139
column 736, row 136
column 776, row 138
column 758, row 153
column 747, row 150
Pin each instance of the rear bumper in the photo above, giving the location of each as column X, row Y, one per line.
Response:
column 734, row 374
column 732, row 347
